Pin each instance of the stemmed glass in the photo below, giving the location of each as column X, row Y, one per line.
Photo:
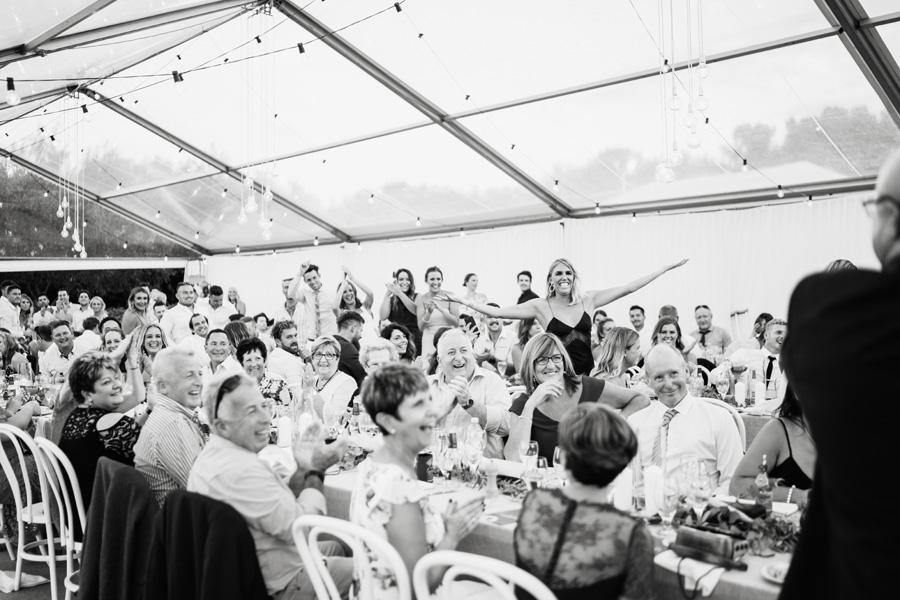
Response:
column 671, row 498
column 534, row 472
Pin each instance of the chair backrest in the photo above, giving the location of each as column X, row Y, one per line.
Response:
column 501, row 576
column 703, row 372
column 64, row 483
column 736, row 417
column 14, row 439
column 367, row 547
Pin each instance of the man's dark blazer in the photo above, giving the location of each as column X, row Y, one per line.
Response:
column 842, row 358
column 349, row 362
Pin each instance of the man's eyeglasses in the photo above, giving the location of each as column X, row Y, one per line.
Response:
column 325, row 355
column 228, row 386
column 557, row 359
column 870, row 204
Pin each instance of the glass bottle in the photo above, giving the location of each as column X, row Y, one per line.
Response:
column 763, row 486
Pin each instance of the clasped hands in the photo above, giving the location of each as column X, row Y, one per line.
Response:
column 312, row 453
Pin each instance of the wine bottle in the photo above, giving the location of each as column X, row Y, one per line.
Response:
column 763, row 486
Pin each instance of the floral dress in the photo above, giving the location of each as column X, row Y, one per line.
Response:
column 380, row 487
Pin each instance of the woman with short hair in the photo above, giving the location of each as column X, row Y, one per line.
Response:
column 572, row 538
column 253, row 356
column 552, row 388
column 335, row 388
column 88, row 420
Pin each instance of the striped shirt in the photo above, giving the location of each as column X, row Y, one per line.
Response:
column 169, row 443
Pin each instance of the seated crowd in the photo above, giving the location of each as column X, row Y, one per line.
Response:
column 190, row 395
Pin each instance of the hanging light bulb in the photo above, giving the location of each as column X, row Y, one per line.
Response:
column 252, row 206
column 674, row 101
column 65, row 201
column 780, row 192
column 83, row 253
column 703, row 69
column 462, row 232
column 418, row 222
column 702, row 104
column 158, row 214
column 267, row 195
column 248, row 182
column 118, row 186
column 634, row 217
column 664, row 173
column 690, row 120
column 676, row 157
column 12, row 97
column 196, row 235
column 556, row 185
column 596, row 208
column 242, row 216
column 316, row 241
column 261, row 221
column 77, row 247
column 59, row 212
column 224, row 192
column 237, row 249
column 665, row 68
column 64, row 233
column 125, row 245
column 267, row 233
column 68, row 224
column 46, row 194
column 744, row 166
column 75, row 236
column 371, row 198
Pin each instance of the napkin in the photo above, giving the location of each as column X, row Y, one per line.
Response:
column 692, row 571
column 7, row 579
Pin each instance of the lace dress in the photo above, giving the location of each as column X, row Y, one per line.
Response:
column 583, row 549
column 380, row 487
column 85, row 439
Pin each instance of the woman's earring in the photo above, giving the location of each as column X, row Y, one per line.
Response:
column 551, row 287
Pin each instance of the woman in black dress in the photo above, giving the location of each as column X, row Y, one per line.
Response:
column 399, row 306
column 90, row 419
column 566, row 311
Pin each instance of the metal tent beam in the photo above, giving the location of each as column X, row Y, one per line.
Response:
column 712, row 201
column 74, row 40
column 420, row 103
column 66, row 24
column 216, row 163
column 868, row 51
column 54, row 179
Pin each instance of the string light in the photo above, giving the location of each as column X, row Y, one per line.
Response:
column 809, row 201
column 418, row 222
column 237, row 249
column 119, row 186
column 634, row 217
column 125, row 245
column 223, row 194
column 46, row 194
column 556, row 185
column 196, row 235
column 780, row 191
column 462, row 232
column 158, row 214
column 12, row 97
column 316, row 241
column 176, row 76
column 744, row 167
column 596, row 208
column 371, row 198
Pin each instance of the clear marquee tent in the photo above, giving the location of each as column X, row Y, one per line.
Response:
column 201, row 128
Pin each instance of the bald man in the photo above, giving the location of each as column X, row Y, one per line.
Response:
column 843, row 347
column 679, row 426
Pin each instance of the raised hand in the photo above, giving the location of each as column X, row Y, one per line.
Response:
column 678, row 264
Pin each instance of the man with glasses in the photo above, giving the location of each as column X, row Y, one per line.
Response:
column 840, row 357
column 172, row 437
column 229, row 469
column 462, row 390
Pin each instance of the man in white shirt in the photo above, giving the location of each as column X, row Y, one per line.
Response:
column 285, row 360
column 89, row 338
column 82, row 311
column 680, row 427
column 291, row 310
column 495, row 342
column 175, row 321
column 56, row 359
column 64, row 310
column 196, row 342
column 10, row 296
column 463, row 390
column 770, row 368
column 322, row 316
column 218, row 308
column 219, row 355
column 638, row 319
column 229, row 469
column 44, row 315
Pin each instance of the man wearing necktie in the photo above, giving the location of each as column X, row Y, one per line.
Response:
column 770, row 353
column 712, row 340
column 322, row 313
column 681, row 427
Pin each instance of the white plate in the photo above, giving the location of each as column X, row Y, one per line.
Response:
column 774, row 572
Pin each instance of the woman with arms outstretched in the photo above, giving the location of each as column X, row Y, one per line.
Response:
column 566, row 311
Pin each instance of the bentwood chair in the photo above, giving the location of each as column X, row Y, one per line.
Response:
column 501, row 576
column 63, row 482
column 735, row 416
column 28, row 510
column 371, row 554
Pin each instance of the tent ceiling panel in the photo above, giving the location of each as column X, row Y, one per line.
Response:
column 423, row 173
column 198, row 207
column 102, row 59
column 255, row 110
column 23, row 20
column 123, row 11
column 876, row 8
column 812, row 117
column 504, row 49
column 98, row 150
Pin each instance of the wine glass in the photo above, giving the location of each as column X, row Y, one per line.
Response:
column 669, row 505
column 528, row 451
column 543, row 470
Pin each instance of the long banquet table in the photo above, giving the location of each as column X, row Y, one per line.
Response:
column 494, row 537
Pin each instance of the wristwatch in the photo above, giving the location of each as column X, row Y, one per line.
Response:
column 468, row 404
